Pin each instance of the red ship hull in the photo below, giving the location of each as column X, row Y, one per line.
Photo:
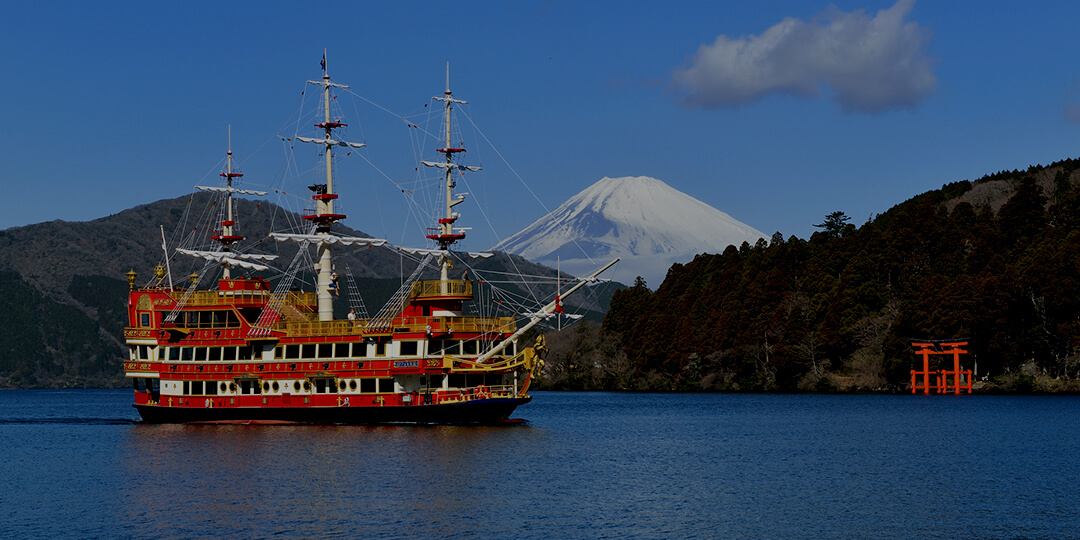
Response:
column 486, row 411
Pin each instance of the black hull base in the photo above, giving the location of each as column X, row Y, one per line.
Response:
column 487, row 411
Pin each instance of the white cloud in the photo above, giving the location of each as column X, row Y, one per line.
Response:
column 866, row 64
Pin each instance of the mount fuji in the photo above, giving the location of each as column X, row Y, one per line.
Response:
column 643, row 220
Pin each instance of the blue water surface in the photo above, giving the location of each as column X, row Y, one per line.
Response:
column 77, row 463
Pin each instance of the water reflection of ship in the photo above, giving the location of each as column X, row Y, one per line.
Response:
column 325, row 485
column 241, row 352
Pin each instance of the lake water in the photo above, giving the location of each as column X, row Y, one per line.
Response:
column 587, row 465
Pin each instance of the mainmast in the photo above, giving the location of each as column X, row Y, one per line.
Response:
column 445, row 234
column 324, row 216
column 227, row 238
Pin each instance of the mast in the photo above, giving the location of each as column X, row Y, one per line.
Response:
column 445, row 234
column 324, row 216
column 228, row 237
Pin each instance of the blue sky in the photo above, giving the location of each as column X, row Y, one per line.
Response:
column 776, row 112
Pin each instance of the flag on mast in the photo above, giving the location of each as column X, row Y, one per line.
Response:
column 323, row 62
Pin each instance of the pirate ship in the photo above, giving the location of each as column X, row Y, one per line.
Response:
column 241, row 351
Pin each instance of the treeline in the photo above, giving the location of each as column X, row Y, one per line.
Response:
column 44, row 343
column 837, row 312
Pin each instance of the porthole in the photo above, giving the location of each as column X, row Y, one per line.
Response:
column 352, row 385
column 296, row 386
column 341, row 385
column 232, row 387
column 276, row 387
column 224, row 387
column 266, row 387
column 307, row 386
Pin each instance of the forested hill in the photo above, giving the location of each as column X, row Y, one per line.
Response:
column 996, row 260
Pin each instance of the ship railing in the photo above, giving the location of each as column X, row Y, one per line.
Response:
column 457, row 395
column 441, row 325
column 437, row 325
column 440, row 288
column 219, row 298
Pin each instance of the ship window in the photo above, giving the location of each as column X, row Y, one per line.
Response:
column 359, row 350
column 408, row 348
column 292, row 352
column 352, row 385
column 468, row 347
column 457, row 380
column 326, row 350
column 276, row 386
column 296, row 386
column 307, row 386
column 452, row 347
column 251, row 315
column 187, row 387
column 380, row 349
column 386, row 386
column 191, row 319
column 231, row 321
column 174, row 353
column 434, row 346
column 133, row 353
column 341, row 385
column 206, row 319
column 367, row 386
column 229, row 353
column 200, row 354
column 144, row 352
column 219, row 319
column 144, row 319
column 307, row 350
column 214, row 353
column 160, row 353
column 196, row 388
column 341, row 350
column 186, row 354
column 211, row 388
column 278, row 352
column 246, row 387
column 436, row 381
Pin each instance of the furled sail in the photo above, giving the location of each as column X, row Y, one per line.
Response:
column 441, row 165
column 231, row 190
column 445, row 253
column 236, row 260
column 327, row 239
column 331, row 142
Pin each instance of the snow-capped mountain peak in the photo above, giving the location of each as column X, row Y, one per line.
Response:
column 643, row 220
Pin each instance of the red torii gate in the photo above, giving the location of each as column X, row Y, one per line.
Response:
column 941, row 382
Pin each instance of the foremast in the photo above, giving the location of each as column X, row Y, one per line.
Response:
column 446, row 234
column 324, row 215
